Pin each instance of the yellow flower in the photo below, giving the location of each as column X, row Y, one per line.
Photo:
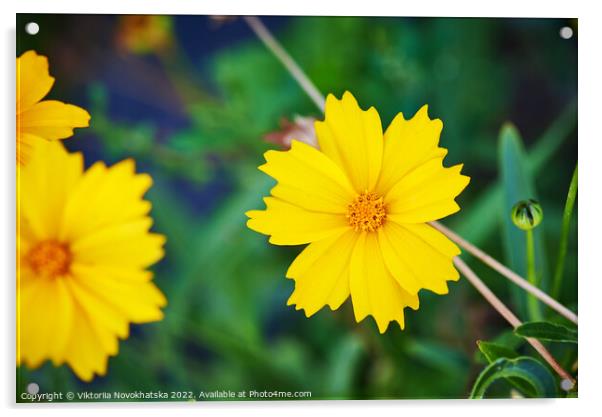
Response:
column 36, row 119
column 83, row 247
column 362, row 202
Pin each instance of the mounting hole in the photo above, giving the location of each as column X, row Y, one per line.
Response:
column 32, row 28
column 566, row 384
column 33, row 388
column 566, row 32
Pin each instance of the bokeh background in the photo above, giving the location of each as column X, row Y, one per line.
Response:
column 192, row 98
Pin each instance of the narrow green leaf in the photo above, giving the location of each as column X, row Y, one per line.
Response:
column 545, row 330
column 518, row 184
column 479, row 221
column 524, row 368
column 553, row 137
column 564, row 235
column 344, row 361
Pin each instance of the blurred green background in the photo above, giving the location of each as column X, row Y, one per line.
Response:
column 191, row 98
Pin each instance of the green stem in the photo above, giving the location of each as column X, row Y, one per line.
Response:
column 533, row 306
column 564, row 235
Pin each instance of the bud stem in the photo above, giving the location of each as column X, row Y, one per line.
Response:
column 532, row 304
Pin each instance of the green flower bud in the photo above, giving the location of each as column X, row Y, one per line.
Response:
column 527, row 214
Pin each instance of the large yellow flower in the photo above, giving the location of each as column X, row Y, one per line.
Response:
column 82, row 251
column 36, row 119
column 362, row 202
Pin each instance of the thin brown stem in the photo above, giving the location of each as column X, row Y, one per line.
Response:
column 289, row 63
column 506, row 272
column 510, row 317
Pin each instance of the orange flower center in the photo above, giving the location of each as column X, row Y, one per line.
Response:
column 367, row 212
column 49, row 258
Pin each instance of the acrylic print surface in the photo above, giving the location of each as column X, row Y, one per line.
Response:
column 240, row 208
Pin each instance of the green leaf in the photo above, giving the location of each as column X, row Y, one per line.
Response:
column 477, row 223
column 509, row 339
column 518, row 184
column 545, row 330
column 524, row 368
column 344, row 361
column 494, row 351
column 564, row 235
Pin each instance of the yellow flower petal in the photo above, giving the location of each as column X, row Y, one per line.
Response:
column 425, row 194
column 107, row 339
column 52, row 119
column 25, row 142
column 105, row 315
column 321, row 273
column 418, row 256
column 105, row 197
column 138, row 302
column 353, row 139
column 42, row 303
column 396, row 265
column 434, row 238
column 36, row 119
column 308, row 178
column 33, row 80
column 408, row 144
column 287, row 224
column 45, row 185
column 124, row 244
column 85, row 353
column 373, row 290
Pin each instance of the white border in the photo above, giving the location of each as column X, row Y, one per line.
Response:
column 590, row 207
column 468, row 8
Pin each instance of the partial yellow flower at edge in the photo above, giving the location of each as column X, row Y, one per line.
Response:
column 83, row 249
column 363, row 202
column 37, row 119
